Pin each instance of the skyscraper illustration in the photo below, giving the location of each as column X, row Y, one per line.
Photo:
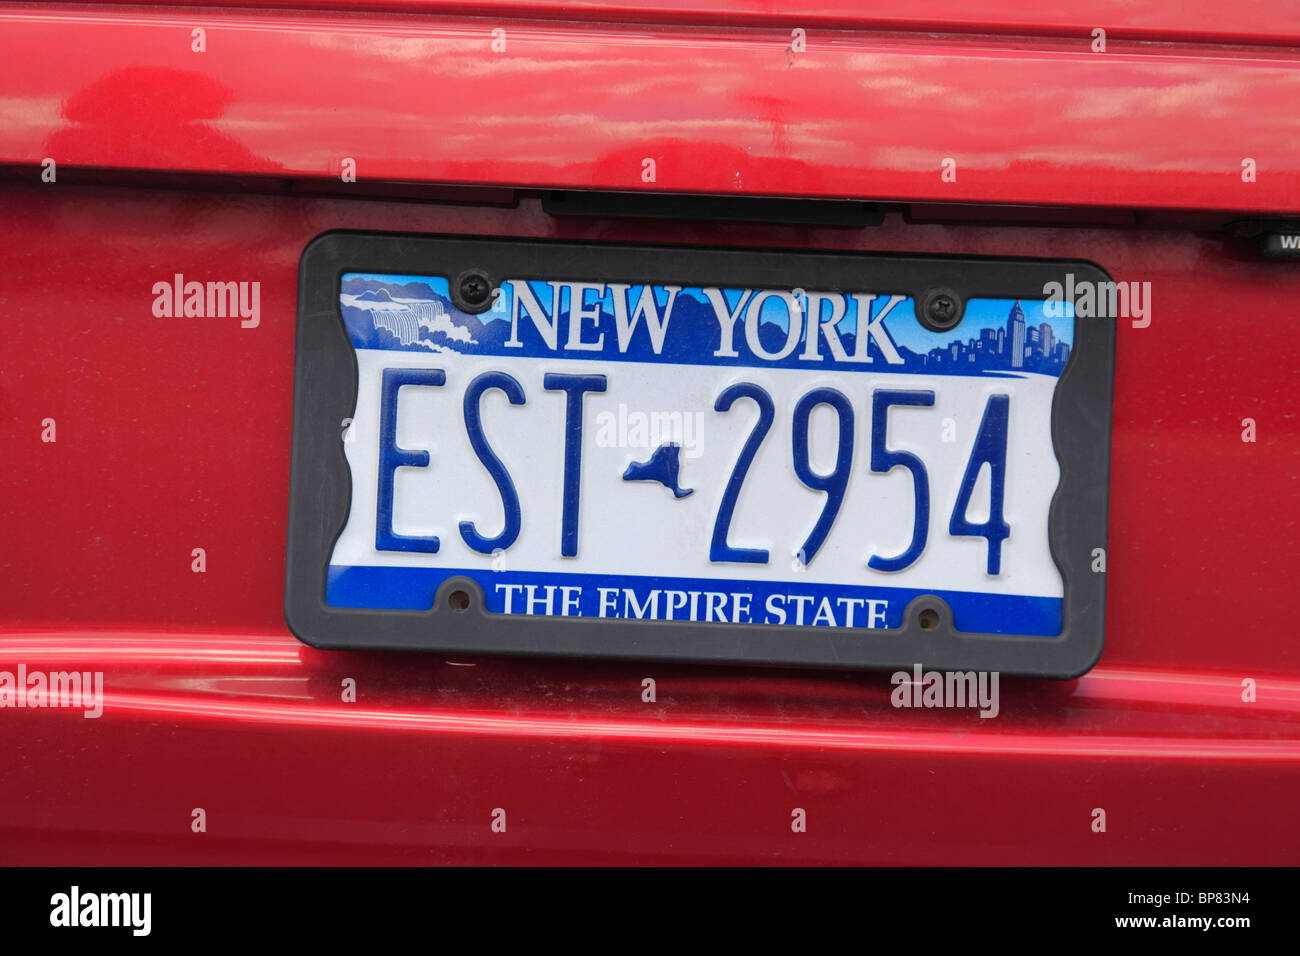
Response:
column 1004, row 346
column 1016, row 335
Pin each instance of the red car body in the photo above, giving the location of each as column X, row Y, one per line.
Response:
column 173, row 435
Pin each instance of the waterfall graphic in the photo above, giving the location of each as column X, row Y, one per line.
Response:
column 405, row 323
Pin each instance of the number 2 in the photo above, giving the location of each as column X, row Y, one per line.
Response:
column 719, row 550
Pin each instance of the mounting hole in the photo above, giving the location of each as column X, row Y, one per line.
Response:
column 458, row 600
column 929, row 619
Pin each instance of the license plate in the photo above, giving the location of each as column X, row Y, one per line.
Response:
column 734, row 455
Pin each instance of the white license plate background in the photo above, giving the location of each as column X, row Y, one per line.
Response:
column 635, row 537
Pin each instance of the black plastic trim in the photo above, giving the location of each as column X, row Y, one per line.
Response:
column 325, row 383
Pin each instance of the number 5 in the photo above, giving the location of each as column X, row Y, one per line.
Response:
column 883, row 460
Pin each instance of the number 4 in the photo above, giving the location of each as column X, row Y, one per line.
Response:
column 991, row 449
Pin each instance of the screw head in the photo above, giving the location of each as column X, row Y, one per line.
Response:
column 475, row 288
column 941, row 311
column 942, row 308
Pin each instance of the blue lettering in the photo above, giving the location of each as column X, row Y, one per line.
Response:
column 391, row 457
column 574, row 387
column 505, row 487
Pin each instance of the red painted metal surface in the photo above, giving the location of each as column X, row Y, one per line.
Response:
column 1274, row 24
column 862, row 114
column 173, row 434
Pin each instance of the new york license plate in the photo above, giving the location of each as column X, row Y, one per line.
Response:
column 741, row 455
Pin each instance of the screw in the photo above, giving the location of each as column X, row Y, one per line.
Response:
column 941, row 309
column 474, row 289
